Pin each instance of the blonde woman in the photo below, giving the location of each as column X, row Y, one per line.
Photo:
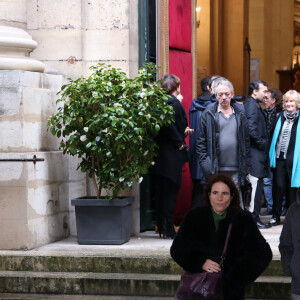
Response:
column 285, row 154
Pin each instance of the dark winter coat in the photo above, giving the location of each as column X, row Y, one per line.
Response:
column 169, row 161
column 248, row 253
column 258, row 138
column 289, row 245
column 207, row 146
column 197, row 107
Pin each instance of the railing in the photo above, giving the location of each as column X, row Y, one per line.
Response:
column 34, row 159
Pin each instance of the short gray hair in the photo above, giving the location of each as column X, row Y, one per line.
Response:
column 222, row 81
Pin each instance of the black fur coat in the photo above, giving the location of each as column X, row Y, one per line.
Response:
column 248, row 253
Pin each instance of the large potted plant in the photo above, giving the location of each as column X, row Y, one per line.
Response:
column 109, row 122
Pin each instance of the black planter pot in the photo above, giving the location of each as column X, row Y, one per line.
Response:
column 101, row 221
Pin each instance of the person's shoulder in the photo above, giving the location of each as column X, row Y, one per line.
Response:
column 250, row 100
column 175, row 103
column 293, row 210
column 172, row 100
column 198, row 213
column 238, row 108
column 211, row 108
column 244, row 217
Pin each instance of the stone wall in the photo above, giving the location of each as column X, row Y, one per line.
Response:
column 71, row 35
column 35, row 198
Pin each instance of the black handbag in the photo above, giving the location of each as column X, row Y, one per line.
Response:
column 203, row 285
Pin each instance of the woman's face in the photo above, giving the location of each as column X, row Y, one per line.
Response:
column 290, row 105
column 220, row 197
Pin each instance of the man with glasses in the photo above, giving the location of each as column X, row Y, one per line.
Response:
column 259, row 146
column 223, row 144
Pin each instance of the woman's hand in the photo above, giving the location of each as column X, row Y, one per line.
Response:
column 211, row 266
column 188, row 131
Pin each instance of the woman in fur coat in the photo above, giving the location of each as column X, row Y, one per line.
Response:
column 200, row 240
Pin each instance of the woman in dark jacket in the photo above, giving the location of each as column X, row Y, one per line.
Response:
column 284, row 154
column 289, row 246
column 169, row 162
column 199, row 243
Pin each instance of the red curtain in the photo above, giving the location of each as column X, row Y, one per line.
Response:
column 181, row 64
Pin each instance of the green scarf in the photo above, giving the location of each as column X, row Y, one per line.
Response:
column 218, row 218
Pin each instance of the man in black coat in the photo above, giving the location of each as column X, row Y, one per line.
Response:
column 273, row 108
column 223, row 144
column 258, row 146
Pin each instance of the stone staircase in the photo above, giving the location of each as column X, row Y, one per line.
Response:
column 111, row 277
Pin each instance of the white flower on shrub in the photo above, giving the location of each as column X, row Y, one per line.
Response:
column 117, row 104
column 153, row 163
column 146, row 152
column 86, row 129
column 104, row 130
column 140, row 179
column 83, row 138
column 143, row 95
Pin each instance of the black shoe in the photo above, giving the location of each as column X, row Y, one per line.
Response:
column 274, row 221
column 267, row 212
column 261, row 225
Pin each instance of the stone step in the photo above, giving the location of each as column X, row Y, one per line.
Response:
column 13, row 296
column 118, row 284
column 104, row 264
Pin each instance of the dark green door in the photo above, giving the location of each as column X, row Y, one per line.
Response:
column 147, row 53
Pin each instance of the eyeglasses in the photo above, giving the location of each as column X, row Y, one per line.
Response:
column 220, row 95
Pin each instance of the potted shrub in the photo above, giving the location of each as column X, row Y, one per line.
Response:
column 109, row 121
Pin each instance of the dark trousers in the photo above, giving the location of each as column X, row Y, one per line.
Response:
column 257, row 199
column 282, row 186
column 166, row 193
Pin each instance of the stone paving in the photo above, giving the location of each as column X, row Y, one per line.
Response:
column 145, row 244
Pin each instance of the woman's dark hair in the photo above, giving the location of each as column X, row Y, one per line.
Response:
column 170, row 82
column 234, row 192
